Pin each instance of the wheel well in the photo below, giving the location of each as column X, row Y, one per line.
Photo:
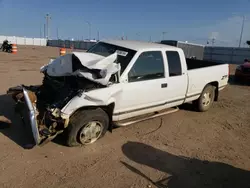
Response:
column 216, row 85
column 108, row 109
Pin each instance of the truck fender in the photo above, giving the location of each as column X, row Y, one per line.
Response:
column 78, row 104
column 83, row 102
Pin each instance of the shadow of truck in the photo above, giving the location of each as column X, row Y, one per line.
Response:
column 183, row 171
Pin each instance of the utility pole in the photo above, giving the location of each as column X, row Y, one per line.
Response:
column 213, row 41
column 123, row 36
column 242, row 28
column 44, row 30
column 89, row 24
column 138, row 35
column 41, row 32
column 57, row 33
column 47, row 17
column 98, row 35
column 163, row 35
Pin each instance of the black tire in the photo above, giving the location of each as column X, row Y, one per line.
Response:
column 80, row 120
column 200, row 104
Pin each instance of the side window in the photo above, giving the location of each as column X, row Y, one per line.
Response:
column 148, row 66
column 174, row 63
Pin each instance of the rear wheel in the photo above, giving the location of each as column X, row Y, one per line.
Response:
column 86, row 127
column 206, row 99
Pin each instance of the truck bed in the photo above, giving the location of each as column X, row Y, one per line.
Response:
column 196, row 64
column 200, row 73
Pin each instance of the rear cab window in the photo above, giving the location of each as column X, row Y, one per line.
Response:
column 148, row 66
column 174, row 63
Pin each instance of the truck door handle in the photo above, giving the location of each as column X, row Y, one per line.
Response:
column 164, row 85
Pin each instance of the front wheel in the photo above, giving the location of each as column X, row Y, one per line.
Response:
column 87, row 126
column 206, row 99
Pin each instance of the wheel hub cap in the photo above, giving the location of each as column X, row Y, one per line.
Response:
column 206, row 99
column 91, row 132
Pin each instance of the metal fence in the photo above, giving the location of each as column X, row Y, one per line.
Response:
column 83, row 45
column 226, row 54
column 24, row 40
column 219, row 54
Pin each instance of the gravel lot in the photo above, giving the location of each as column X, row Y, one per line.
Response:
column 184, row 149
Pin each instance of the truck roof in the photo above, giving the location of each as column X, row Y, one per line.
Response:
column 139, row 45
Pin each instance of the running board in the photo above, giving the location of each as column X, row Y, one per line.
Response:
column 145, row 117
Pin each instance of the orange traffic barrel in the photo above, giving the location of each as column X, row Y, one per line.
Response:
column 14, row 49
column 62, row 51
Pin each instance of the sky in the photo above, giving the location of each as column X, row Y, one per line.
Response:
column 194, row 21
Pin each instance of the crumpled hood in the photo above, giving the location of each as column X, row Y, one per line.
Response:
column 93, row 67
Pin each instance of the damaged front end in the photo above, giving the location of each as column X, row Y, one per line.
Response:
column 41, row 106
column 26, row 106
column 46, row 120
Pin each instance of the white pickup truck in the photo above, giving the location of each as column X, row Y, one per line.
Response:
column 116, row 82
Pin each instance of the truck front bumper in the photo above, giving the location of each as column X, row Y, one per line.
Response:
column 26, row 106
column 30, row 111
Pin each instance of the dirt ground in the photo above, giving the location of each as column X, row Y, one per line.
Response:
column 183, row 149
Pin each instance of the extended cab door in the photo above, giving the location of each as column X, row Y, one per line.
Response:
column 144, row 90
column 177, row 78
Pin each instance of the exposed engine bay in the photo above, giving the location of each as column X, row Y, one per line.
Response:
column 60, row 84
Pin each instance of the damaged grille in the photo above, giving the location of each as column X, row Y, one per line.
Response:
column 56, row 92
column 52, row 96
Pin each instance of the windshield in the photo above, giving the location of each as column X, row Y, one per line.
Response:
column 104, row 49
